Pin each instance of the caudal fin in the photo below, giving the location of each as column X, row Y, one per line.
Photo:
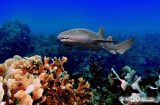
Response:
column 119, row 48
column 124, row 46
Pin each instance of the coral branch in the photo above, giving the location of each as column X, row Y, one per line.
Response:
column 30, row 81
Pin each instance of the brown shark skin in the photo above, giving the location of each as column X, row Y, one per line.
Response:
column 94, row 41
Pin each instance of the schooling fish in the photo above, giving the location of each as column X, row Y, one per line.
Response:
column 94, row 41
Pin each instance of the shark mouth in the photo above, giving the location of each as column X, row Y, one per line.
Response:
column 63, row 39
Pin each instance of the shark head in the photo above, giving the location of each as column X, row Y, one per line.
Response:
column 65, row 37
column 73, row 36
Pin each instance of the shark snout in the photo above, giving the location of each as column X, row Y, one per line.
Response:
column 60, row 38
column 63, row 38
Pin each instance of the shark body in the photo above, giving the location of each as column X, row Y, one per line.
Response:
column 94, row 41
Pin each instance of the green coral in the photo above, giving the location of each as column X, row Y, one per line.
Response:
column 110, row 98
column 126, row 69
column 17, row 101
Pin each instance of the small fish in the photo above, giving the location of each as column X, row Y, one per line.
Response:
column 94, row 41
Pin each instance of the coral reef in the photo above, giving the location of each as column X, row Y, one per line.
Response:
column 14, row 39
column 134, row 86
column 17, row 38
column 121, row 84
column 101, row 88
column 27, row 81
column 44, row 81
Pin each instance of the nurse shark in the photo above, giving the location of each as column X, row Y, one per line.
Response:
column 94, row 41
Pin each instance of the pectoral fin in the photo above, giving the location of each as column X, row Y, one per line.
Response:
column 105, row 41
column 67, row 45
column 112, row 51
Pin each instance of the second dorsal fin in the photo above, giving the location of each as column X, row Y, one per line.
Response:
column 110, row 39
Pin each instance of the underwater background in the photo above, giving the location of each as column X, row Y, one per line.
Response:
column 30, row 27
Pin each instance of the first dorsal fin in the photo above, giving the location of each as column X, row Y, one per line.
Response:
column 101, row 32
column 110, row 39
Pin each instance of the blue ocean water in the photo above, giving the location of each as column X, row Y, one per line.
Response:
column 30, row 27
column 122, row 19
column 51, row 16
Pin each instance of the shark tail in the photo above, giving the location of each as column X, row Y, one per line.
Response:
column 121, row 47
column 124, row 46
